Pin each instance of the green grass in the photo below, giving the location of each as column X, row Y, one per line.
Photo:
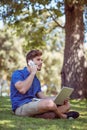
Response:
column 8, row 121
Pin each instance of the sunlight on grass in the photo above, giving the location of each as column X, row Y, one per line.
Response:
column 4, row 122
column 78, row 127
column 8, row 121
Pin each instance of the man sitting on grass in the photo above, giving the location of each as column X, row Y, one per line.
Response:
column 25, row 88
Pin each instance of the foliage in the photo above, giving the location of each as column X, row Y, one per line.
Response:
column 36, row 21
column 31, row 19
column 50, row 74
column 16, row 47
column 33, row 33
column 8, row 121
column 11, row 52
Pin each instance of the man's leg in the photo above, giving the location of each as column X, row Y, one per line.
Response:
column 28, row 109
column 48, row 105
column 51, row 115
column 64, row 108
column 40, row 107
column 46, row 115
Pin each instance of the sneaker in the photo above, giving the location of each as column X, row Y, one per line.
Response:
column 72, row 115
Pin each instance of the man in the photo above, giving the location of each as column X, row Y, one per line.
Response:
column 25, row 88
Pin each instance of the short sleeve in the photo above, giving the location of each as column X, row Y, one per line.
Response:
column 17, row 76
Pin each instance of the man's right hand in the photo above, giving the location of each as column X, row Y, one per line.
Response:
column 33, row 69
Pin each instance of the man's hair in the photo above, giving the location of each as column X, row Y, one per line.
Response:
column 32, row 54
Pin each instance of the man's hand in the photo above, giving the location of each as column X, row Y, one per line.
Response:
column 66, row 100
column 33, row 69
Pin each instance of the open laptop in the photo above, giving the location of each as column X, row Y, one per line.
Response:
column 63, row 95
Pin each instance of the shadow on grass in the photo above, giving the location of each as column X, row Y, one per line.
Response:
column 8, row 121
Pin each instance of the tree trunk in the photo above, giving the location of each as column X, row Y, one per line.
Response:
column 73, row 66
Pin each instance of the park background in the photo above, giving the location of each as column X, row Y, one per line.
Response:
column 59, row 29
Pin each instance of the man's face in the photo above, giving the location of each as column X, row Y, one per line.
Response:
column 38, row 61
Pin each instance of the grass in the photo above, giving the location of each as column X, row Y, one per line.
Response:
column 8, row 121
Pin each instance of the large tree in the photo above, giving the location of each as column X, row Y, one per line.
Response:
column 74, row 70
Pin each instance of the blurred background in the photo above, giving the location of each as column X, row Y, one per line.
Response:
column 23, row 28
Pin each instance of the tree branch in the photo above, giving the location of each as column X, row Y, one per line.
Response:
column 54, row 19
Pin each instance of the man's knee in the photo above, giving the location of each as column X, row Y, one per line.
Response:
column 48, row 104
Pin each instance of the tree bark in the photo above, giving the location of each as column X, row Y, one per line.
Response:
column 73, row 67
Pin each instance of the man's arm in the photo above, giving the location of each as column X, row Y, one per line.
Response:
column 42, row 96
column 23, row 86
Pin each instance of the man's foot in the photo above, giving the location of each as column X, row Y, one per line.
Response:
column 52, row 115
column 72, row 115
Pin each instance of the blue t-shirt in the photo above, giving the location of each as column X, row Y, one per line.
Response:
column 18, row 99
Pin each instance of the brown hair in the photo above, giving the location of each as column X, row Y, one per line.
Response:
column 32, row 54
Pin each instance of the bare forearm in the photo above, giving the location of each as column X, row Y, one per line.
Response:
column 50, row 97
column 41, row 95
column 23, row 86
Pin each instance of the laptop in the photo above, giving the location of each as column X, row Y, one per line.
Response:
column 63, row 95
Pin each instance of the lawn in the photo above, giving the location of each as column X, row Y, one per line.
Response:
column 8, row 121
